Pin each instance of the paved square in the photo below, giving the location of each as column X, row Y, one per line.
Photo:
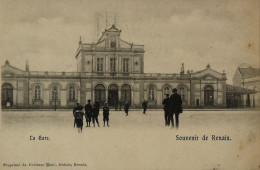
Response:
column 134, row 142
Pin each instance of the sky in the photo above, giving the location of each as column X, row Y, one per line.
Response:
column 222, row 33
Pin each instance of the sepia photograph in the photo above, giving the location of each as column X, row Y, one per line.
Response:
column 130, row 85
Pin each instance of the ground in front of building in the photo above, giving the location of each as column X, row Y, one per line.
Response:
column 137, row 141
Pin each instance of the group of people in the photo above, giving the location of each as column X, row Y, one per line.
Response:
column 172, row 106
column 91, row 114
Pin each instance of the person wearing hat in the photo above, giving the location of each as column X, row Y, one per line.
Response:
column 126, row 108
column 74, row 113
column 106, row 114
column 95, row 112
column 176, row 107
column 78, row 115
column 167, row 109
column 144, row 105
column 88, row 111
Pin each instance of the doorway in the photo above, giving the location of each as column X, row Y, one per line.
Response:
column 209, row 96
column 113, row 95
column 7, row 95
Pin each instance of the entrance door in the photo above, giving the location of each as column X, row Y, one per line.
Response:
column 209, row 96
column 7, row 95
column 112, row 95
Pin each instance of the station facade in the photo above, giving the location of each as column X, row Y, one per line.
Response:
column 110, row 70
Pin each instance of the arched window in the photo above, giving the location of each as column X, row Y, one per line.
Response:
column 126, row 93
column 151, row 93
column 54, row 92
column 182, row 91
column 100, row 93
column 37, row 92
column 72, row 92
column 166, row 90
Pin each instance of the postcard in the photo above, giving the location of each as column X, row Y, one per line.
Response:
column 129, row 85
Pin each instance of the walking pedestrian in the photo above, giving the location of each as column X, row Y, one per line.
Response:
column 167, row 109
column 95, row 114
column 144, row 105
column 106, row 114
column 126, row 108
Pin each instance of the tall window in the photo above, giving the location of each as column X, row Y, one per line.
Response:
column 125, row 65
column 37, row 92
column 99, row 64
column 182, row 93
column 100, row 93
column 72, row 93
column 126, row 93
column 151, row 94
column 112, row 64
column 54, row 92
column 166, row 90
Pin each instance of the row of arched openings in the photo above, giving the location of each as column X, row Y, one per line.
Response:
column 7, row 93
column 100, row 93
column 113, row 98
column 183, row 92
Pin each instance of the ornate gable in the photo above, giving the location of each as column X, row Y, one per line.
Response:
column 9, row 71
column 209, row 74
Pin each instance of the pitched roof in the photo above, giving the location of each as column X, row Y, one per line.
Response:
column 113, row 28
column 249, row 72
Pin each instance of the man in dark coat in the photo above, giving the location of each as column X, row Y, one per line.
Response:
column 176, row 107
column 144, row 105
column 95, row 112
column 78, row 115
column 167, row 109
column 106, row 114
column 88, row 111
column 126, row 108
column 74, row 113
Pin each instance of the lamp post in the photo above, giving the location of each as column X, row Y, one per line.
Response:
column 55, row 93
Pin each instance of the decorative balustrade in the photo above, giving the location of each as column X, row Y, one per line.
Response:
column 105, row 74
column 108, row 49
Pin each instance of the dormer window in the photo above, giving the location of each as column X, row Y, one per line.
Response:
column 113, row 44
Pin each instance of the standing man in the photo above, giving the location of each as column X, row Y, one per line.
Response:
column 176, row 107
column 74, row 113
column 106, row 114
column 88, row 111
column 95, row 112
column 79, row 117
column 144, row 105
column 126, row 108
column 167, row 109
